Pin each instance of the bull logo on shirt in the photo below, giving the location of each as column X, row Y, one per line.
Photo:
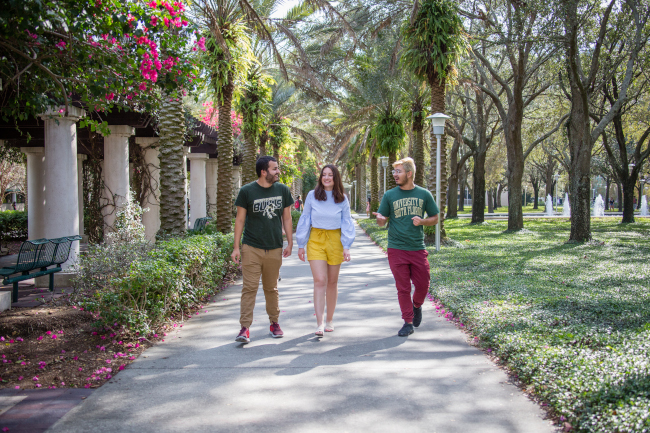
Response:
column 268, row 206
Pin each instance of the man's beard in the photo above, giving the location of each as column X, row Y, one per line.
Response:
column 270, row 178
column 397, row 182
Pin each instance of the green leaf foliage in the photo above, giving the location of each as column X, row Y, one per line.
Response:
column 390, row 133
column 435, row 41
column 165, row 281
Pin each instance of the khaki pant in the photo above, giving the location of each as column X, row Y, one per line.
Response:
column 256, row 262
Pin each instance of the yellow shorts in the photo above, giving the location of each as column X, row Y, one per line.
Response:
column 325, row 245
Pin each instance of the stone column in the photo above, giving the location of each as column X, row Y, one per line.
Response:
column 197, row 186
column 116, row 171
column 151, row 218
column 36, row 191
column 61, row 216
column 211, row 176
column 236, row 178
column 80, row 188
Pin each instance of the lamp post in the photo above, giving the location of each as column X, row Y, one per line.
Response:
column 438, row 123
column 384, row 163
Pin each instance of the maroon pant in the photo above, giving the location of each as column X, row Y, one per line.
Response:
column 410, row 266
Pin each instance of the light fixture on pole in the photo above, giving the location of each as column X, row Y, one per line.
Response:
column 438, row 123
column 384, row 163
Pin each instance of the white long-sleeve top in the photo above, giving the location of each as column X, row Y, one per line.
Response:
column 326, row 215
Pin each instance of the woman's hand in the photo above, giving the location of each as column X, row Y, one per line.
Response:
column 301, row 254
column 346, row 255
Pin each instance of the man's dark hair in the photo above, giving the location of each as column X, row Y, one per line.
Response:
column 263, row 164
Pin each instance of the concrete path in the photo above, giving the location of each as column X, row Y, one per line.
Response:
column 362, row 377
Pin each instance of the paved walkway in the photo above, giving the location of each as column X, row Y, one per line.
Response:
column 362, row 377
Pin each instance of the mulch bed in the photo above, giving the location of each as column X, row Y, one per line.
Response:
column 53, row 346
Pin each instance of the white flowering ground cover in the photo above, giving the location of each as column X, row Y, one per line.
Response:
column 572, row 321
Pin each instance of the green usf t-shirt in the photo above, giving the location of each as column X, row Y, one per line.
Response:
column 264, row 206
column 401, row 206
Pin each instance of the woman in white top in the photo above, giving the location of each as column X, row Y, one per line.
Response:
column 327, row 230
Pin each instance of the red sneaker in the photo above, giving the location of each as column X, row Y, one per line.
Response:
column 244, row 336
column 276, row 332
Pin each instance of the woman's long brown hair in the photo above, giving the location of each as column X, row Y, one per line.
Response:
column 337, row 192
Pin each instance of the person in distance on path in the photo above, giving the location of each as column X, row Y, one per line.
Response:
column 404, row 208
column 327, row 229
column 263, row 206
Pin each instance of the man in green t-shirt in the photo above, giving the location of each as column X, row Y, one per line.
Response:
column 263, row 207
column 405, row 207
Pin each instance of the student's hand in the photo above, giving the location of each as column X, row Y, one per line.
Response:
column 380, row 218
column 417, row 221
column 301, row 254
column 287, row 251
column 236, row 255
column 346, row 255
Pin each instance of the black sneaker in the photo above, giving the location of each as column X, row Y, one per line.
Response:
column 417, row 316
column 406, row 330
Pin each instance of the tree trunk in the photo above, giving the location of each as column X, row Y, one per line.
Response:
column 452, row 199
column 638, row 202
column 374, row 187
column 363, row 191
column 628, row 200
column 418, row 145
column 536, row 189
column 619, row 198
column 380, row 169
column 478, row 195
column 264, row 138
column 580, row 143
column 497, row 197
column 462, row 180
column 225, row 152
column 607, row 183
column 249, row 158
column 438, row 105
column 491, row 201
column 172, row 174
column 390, row 180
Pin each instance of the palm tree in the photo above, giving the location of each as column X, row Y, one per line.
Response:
column 229, row 54
column 172, row 173
column 254, row 105
column 434, row 40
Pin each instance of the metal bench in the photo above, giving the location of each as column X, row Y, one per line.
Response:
column 199, row 225
column 38, row 255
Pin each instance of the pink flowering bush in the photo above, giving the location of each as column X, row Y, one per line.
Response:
column 211, row 117
column 105, row 52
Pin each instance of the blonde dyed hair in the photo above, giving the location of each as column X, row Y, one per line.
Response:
column 407, row 163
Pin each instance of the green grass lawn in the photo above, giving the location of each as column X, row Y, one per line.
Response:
column 526, row 209
column 504, row 209
column 572, row 321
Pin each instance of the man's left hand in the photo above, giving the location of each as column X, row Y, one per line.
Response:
column 287, row 251
column 417, row 221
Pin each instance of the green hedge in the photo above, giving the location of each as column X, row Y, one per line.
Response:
column 13, row 225
column 176, row 275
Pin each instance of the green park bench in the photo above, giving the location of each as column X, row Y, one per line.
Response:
column 199, row 225
column 37, row 258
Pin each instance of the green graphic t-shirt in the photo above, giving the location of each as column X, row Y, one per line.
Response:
column 264, row 206
column 401, row 206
